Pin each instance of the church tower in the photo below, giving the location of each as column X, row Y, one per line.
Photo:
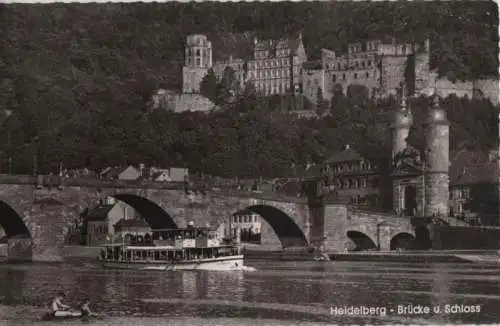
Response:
column 198, row 59
column 437, row 160
column 400, row 127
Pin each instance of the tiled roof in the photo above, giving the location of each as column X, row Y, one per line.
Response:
column 478, row 173
column 345, row 156
column 461, row 159
column 99, row 213
column 113, row 172
column 123, row 223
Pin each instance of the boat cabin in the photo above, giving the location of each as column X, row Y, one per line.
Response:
column 170, row 245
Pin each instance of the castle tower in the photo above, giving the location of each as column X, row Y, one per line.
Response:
column 400, row 127
column 198, row 59
column 437, row 152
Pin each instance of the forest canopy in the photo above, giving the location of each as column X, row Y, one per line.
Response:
column 77, row 79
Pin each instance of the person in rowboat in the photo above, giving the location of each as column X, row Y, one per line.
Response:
column 59, row 309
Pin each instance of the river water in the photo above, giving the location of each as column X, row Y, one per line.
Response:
column 277, row 293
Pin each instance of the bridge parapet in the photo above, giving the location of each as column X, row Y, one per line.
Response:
column 267, row 196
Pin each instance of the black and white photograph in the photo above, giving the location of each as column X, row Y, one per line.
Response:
column 249, row 163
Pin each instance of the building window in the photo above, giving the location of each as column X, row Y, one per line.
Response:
column 367, row 75
column 354, row 183
column 363, row 183
column 362, row 64
column 343, row 76
column 369, row 63
column 466, row 193
column 375, row 182
column 198, row 53
column 355, row 76
column 198, row 62
column 334, row 78
column 346, row 183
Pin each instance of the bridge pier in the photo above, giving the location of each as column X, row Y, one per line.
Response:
column 384, row 237
column 20, row 249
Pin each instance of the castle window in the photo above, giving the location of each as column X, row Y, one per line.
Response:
column 334, row 78
column 355, row 76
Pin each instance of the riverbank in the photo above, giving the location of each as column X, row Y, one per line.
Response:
column 431, row 256
column 444, row 256
column 254, row 252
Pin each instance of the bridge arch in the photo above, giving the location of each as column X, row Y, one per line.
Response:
column 12, row 222
column 151, row 212
column 361, row 240
column 288, row 232
column 402, row 240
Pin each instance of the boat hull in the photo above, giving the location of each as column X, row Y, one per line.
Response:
column 220, row 263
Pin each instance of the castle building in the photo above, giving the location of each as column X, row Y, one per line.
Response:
column 276, row 67
column 198, row 59
column 379, row 66
column 236, row 64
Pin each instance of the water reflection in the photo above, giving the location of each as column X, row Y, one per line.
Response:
column 299, row 291
column 12, row 294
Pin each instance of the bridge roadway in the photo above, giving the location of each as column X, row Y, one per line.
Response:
column 36, row 213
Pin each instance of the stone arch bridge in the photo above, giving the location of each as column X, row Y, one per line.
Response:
column 37, row 213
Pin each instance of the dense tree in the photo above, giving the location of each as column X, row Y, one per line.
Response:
column 77, row 78
column 209, row 86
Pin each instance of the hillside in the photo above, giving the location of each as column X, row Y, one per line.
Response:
column 77, row 76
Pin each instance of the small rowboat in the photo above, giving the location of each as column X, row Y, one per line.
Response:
column 74, row 315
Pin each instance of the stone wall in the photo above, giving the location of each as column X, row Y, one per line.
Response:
column 20, row 249
column 311, row 81
column 393, row 73
column 49, row 213
column 456, row 237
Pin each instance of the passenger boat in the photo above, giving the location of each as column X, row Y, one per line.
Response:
column 173, row 249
